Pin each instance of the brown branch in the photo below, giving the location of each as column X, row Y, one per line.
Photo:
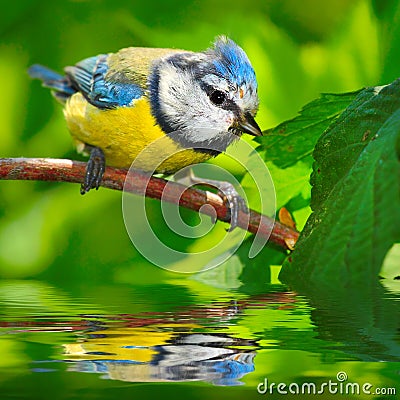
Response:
column 56, row 170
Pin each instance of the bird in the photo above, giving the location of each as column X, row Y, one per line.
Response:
column 195, row 104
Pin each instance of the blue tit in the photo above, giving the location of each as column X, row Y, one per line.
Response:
column 116, row 104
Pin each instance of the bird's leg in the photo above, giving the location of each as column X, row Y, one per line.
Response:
column 95, row 168
column 231, row 198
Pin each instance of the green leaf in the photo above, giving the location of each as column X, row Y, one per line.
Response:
column 290, row 182
column 355, row 195
column 295, row 139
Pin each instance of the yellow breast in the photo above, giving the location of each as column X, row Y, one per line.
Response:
column 124, row 133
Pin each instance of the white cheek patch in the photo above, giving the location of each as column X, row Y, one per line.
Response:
column 188, row 108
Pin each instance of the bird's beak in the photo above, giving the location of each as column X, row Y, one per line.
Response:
column 249, row 125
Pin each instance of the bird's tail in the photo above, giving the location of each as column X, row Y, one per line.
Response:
column 60, row 85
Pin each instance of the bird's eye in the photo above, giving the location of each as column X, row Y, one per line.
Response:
column 217, row 97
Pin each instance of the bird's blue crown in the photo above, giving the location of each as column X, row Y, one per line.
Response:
column 232, row 63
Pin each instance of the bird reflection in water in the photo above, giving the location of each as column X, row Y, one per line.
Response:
column 145, row 356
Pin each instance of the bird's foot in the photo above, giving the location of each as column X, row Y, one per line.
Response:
column 233, row 201
column 231, row 198
column 94, row 169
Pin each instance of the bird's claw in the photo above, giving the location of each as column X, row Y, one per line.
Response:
column 94, row 170
column 234, row 202
column 231, row 198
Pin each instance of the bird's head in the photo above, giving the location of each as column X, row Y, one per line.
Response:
column 205, row 100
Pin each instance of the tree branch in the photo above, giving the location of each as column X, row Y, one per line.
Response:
column 57, row 170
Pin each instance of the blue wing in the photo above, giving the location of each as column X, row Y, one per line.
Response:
column 60, row 85
column 89, row 78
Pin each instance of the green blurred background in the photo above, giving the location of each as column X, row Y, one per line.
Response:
column 298, row 48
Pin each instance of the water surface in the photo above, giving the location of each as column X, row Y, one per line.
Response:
column 185, row 338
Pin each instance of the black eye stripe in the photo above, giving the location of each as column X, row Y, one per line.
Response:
column 231, row 106
column 228, row 104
